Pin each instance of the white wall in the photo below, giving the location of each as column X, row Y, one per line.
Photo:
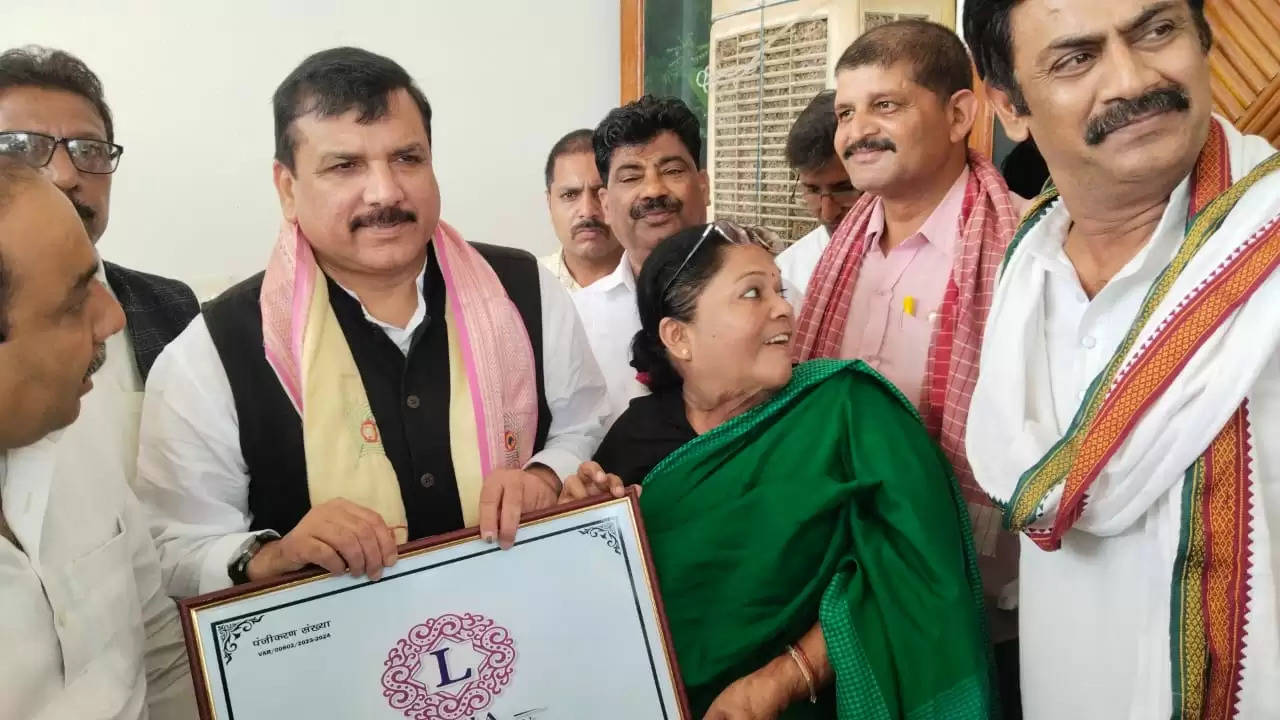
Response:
column 190, row 84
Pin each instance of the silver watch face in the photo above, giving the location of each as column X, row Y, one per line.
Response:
column 250, row 548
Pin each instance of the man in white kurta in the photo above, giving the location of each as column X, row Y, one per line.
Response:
column 86, row 627
column 1129, row 396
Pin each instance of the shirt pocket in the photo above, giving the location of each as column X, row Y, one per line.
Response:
column 97, row 614
column 916, row 328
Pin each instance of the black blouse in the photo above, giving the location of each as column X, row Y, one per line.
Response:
column 649, row 430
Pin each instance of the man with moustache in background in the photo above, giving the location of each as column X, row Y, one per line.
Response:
column 648, row 155
column 54, row 116
column 588, row 250
column 821, row 182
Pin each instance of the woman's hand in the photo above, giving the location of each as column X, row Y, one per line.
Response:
column 591, row 479
column 765, row 693
column 758, row 696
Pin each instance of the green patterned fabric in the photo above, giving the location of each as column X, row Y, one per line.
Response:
column 832, row 502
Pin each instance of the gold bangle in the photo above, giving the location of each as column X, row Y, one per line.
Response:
column 806, row 671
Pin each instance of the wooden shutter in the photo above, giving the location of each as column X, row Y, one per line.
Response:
column 1245, row 63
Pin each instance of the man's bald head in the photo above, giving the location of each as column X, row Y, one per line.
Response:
column 14, row 178
column 56, row 315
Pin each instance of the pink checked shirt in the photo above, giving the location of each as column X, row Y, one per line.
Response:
column 897, row 295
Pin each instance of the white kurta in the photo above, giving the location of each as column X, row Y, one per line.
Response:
column 1094, row 615
column 86, row 628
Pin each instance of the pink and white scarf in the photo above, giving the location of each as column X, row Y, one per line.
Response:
column 493, row 388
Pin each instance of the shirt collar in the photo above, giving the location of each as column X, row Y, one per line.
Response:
column 622, row 276
column 419, row 313
column 1046, row 241
column 101, row 276
column 561, row 269
column 942, row 225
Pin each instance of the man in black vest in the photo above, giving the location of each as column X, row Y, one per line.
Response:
column 53, row 116
column 224, row 452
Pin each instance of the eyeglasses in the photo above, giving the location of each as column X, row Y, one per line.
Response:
column 843, row 195
column 96, row 157
column 732, row 232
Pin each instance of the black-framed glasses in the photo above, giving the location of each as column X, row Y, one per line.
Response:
column 845, row 195
column 96, row 157
column 733, row 232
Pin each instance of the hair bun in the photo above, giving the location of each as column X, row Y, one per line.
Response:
column 649, row 358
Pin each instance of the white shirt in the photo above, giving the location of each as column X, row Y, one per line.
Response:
column 1080, row 336
column 799, row 261
column 401, row 336
column 611, row 319
column 193, row 476
column 85, row 625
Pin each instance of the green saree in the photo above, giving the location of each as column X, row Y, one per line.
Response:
column 829, row 502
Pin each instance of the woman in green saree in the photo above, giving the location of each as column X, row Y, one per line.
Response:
column 810, row 543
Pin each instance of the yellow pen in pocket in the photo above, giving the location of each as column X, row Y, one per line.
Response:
column 909, row 305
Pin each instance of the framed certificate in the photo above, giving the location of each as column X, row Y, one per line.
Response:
column 567, row 624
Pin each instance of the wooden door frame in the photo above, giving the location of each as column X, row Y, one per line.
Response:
column 631, row 15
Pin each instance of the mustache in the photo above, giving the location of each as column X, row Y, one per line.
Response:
column 1123, row 112
column 85, row 212
column 99, row 359
column 589, row 224
column 384, row 217
column 869, row 144
column 661, row 203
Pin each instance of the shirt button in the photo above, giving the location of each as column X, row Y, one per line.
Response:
column 1088, row 342
column 412, row 401
column 427, row 480
column 883, row 293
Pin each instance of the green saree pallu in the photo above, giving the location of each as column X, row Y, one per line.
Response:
column 829, row 502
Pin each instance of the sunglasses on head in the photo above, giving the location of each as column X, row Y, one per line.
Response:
column 734, row 233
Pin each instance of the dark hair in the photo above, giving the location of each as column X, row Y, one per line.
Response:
column 812, row 140
column 50, row 69
column 333, row 82
column 938, row 59
column 638, row 122
column 578, row 141
column 648, row 354
column 989, row 33
column 1024, row 169
column 14, row 177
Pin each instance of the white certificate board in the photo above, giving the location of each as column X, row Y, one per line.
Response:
column 565, row 625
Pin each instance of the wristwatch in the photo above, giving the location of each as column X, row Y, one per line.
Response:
column 238, row 569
